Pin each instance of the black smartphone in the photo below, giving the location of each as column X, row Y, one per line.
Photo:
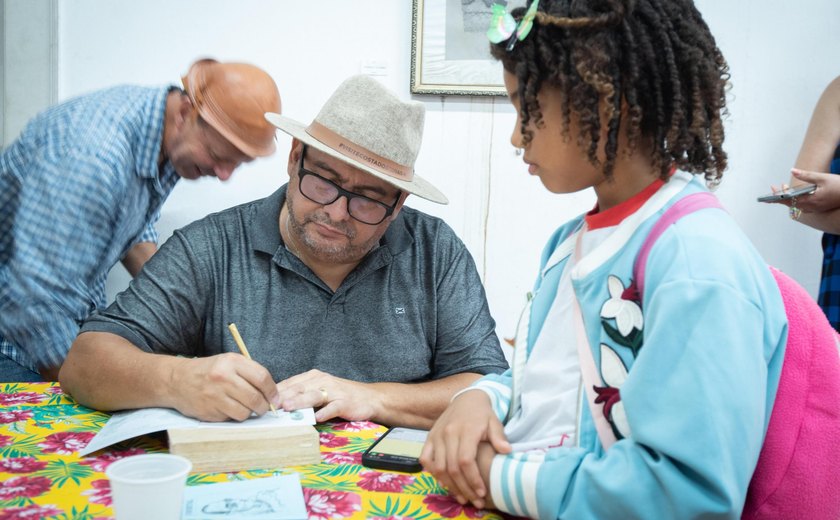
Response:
column 398, row 450
column 793, row 191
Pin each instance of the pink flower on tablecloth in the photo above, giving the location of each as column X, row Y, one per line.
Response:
column 32, row 512
column 22, row 465
column 55, row 390
column 448, row 507
column 355, row 426
column 101, row 462
column 101, row 492
column 341, row 457
column 383, row 481
column 15, row 416
column 24, row 487
column 6, row 440
column 20, row 398
column 331, row 440
column 66, row 443
column 322, row 504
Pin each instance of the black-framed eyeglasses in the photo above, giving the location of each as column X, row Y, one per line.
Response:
column 324, row 191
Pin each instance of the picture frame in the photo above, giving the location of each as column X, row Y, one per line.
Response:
column 450, row 53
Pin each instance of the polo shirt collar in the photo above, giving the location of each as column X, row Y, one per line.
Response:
column 265, row 222
column 397, row 238
column 148, row 148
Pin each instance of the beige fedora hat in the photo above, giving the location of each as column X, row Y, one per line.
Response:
column 232, row 98
column 366, row 126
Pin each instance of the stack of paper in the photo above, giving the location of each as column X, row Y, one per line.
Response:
column 270, row 441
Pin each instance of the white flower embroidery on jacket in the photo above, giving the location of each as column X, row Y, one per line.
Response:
column 623, row 307
column 614, row 373
column 627, row 313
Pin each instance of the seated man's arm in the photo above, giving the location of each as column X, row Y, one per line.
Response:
column 148, row 347
column 107, row 372
column 415, row 405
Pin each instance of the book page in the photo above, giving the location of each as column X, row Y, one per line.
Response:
column 125, row 425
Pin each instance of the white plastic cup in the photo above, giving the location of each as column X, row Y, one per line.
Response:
column 150, row 486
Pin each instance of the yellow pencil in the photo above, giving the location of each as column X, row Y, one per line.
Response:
column 242, row 348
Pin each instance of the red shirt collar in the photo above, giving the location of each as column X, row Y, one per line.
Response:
column 612, row 217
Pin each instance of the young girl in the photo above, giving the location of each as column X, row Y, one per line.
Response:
column 629, row 405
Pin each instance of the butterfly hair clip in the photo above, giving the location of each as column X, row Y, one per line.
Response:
column 504, row 27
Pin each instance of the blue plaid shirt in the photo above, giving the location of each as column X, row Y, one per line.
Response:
column 78, row 189
column 829, row 298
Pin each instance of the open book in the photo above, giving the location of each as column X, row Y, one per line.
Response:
column 125, row 425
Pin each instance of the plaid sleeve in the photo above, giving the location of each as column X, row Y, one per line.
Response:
column 61, row 231
column 149, row 233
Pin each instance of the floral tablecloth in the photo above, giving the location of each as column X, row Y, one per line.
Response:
column 43, row 477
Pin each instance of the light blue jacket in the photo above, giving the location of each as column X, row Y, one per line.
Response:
column 701, row 366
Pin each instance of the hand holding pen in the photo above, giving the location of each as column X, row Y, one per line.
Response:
column 242, row 348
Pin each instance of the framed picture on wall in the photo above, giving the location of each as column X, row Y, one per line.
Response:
column 450, row 53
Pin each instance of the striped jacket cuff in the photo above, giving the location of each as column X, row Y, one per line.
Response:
column 513, row 482
column 498, row 393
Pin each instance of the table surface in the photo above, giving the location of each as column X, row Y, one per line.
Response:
column 43, row 476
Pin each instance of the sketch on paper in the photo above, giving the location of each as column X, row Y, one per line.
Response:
column 279, row 497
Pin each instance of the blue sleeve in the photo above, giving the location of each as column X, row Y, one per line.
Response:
column 499, row 388
column 55, row 257
column 149, row 234
column 697, row 401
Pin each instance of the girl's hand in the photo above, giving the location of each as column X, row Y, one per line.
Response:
column 452, row 447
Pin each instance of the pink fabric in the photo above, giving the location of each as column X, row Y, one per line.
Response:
column 798, row 472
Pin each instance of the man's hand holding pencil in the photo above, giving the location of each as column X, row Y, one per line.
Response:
column 222, row 387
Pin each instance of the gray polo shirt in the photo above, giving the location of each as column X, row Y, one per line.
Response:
column 413, row 310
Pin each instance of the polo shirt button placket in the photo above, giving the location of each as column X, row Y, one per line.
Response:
column 337, row 305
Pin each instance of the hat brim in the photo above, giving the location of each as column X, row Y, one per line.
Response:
column 417, row 186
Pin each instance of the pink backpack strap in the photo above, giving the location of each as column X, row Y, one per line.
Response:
column 684, row 206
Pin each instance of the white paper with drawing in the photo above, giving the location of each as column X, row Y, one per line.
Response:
column 125, row 425
column 275, row 498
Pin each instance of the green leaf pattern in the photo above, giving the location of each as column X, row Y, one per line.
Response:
column 57, row 413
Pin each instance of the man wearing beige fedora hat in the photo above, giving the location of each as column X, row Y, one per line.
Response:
column 348, row 300
column 82, row 187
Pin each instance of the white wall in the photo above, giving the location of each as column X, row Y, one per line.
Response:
column 28, row 62
column 780, row 56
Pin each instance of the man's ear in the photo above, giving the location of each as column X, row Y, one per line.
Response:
column 396, row 212
column 184, row 111
column 294, row 157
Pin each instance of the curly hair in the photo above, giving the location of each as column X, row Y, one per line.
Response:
column 655, row 56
